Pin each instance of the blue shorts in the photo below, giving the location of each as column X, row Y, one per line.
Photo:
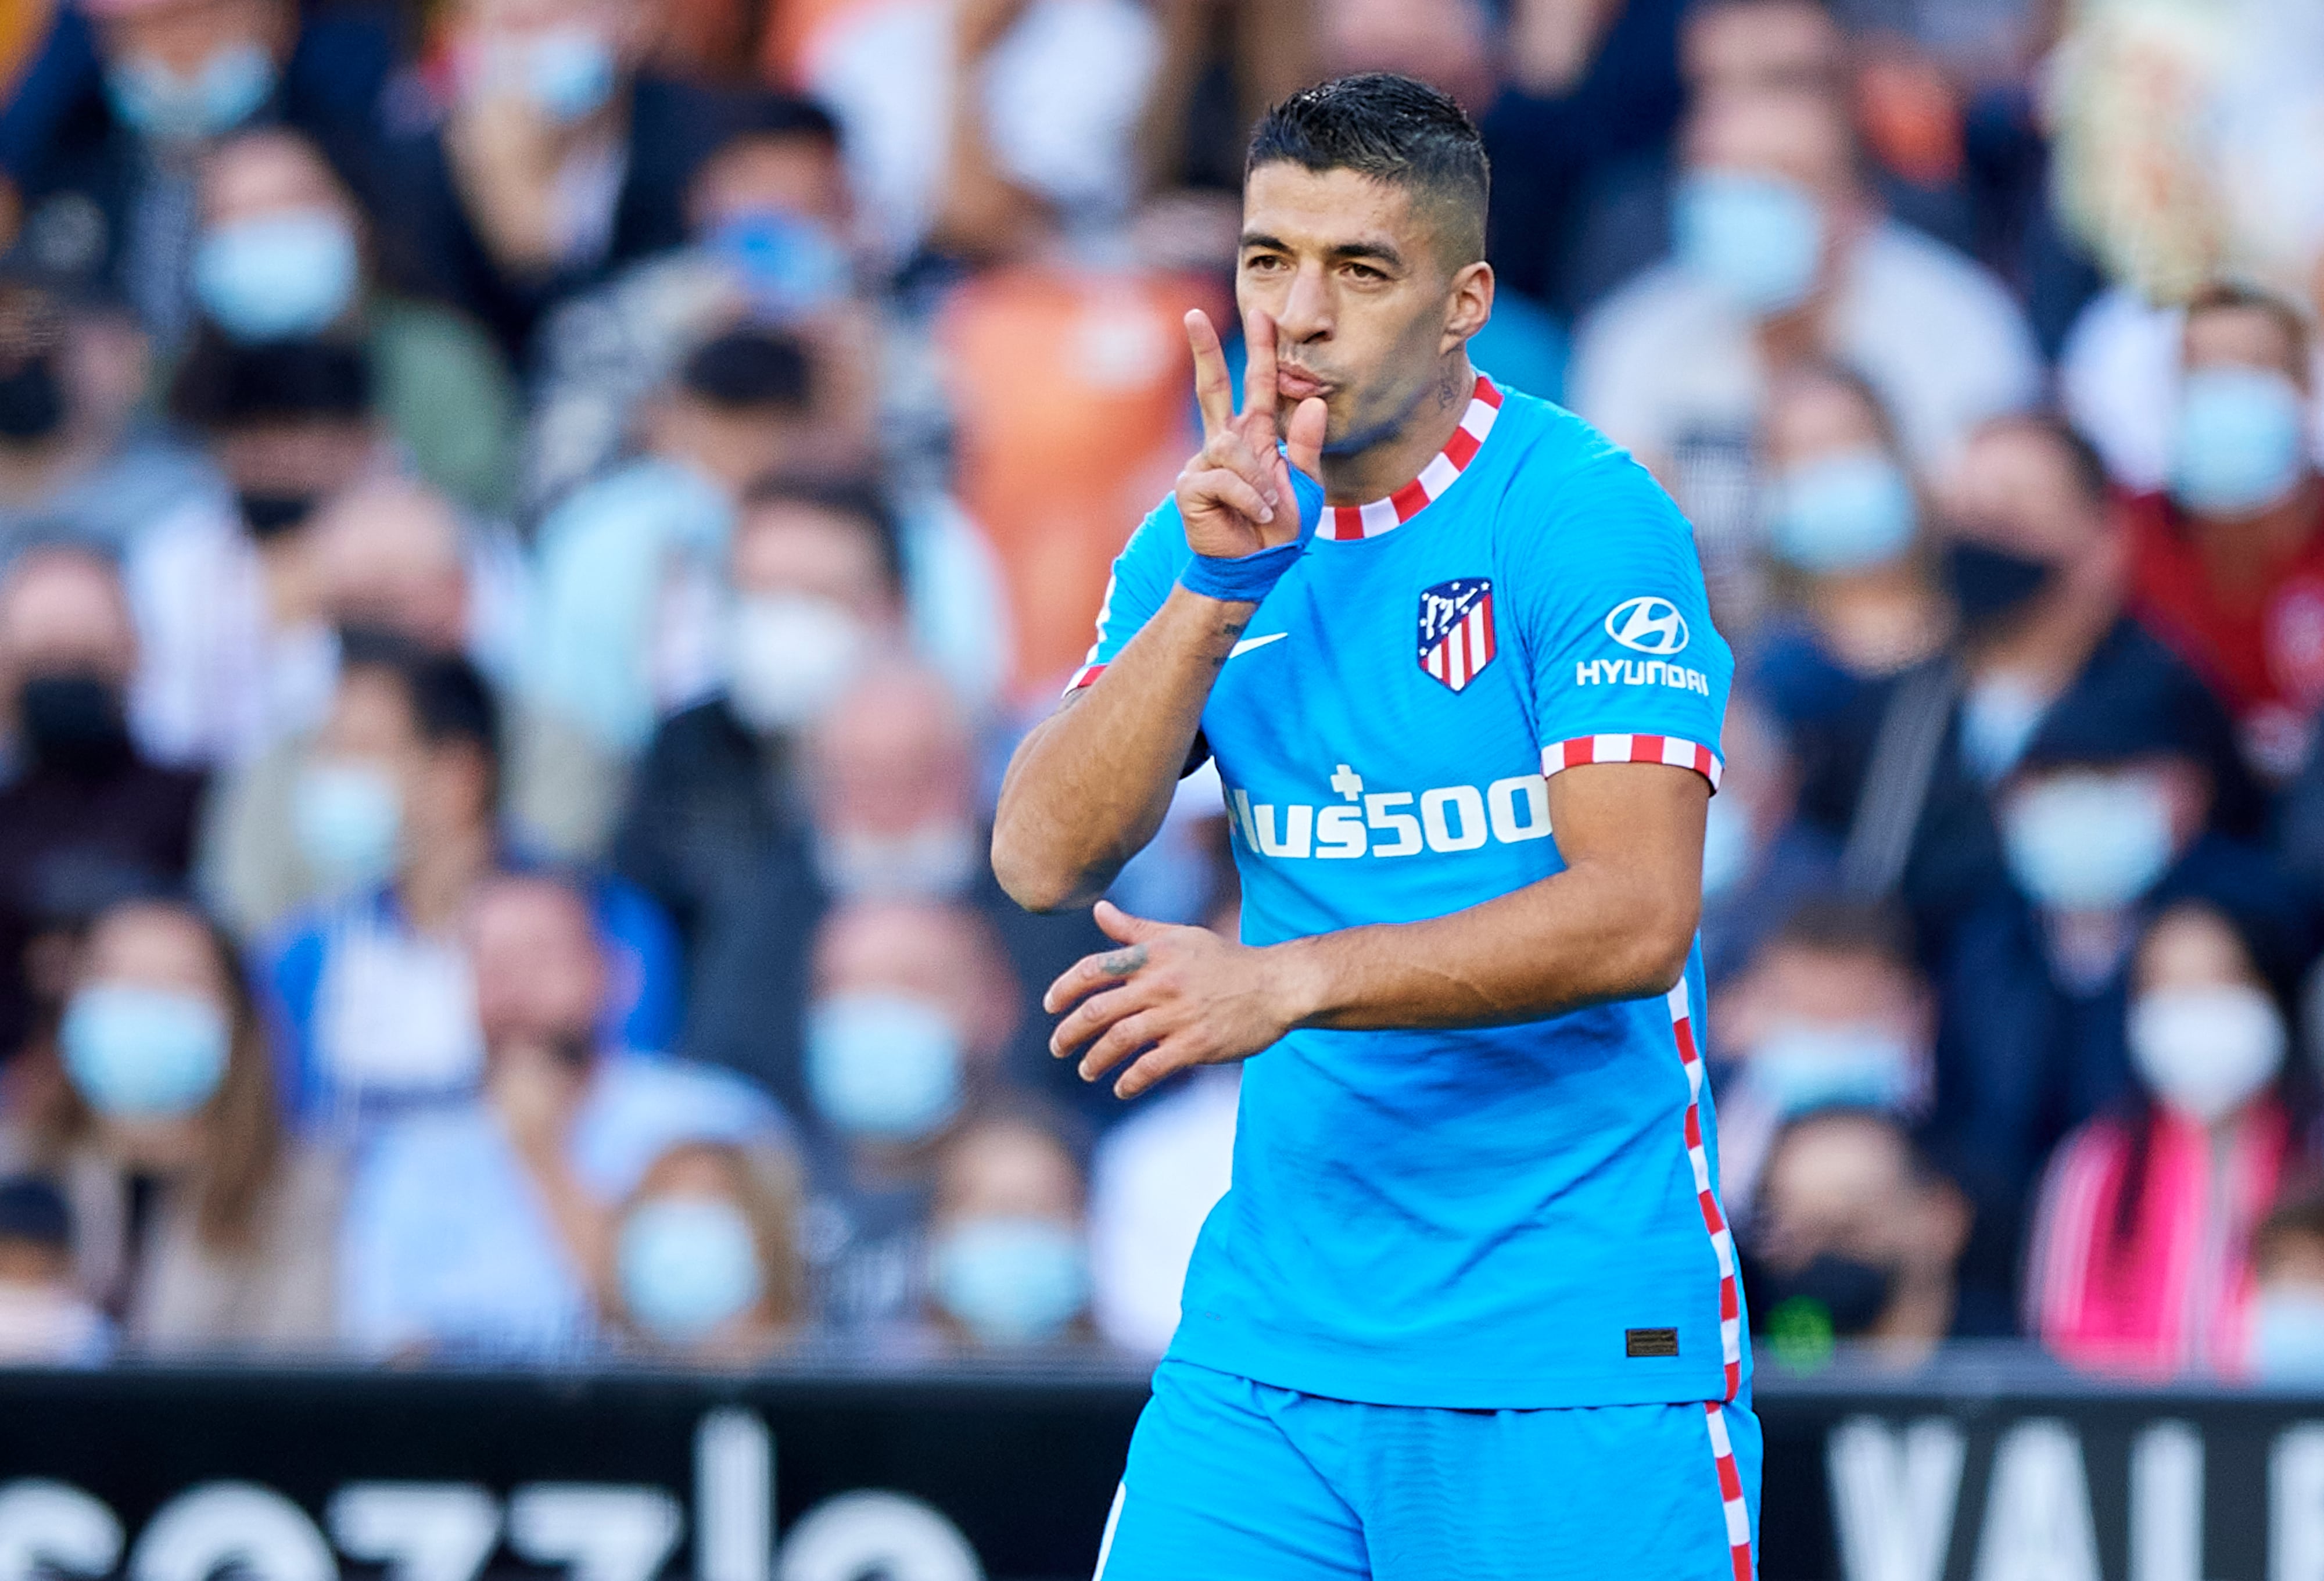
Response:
column 1231, row 1480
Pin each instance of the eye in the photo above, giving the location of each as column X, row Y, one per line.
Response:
column 1262, row 262
column 1365, row 273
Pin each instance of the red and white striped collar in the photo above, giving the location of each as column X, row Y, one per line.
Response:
column 1343, row 524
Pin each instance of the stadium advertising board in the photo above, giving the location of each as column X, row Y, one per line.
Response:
column 952, row 1476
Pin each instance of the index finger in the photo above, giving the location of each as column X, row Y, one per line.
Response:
column 1213, row 390
column 1258, row 364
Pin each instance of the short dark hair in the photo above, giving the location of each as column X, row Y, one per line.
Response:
column 223, row 386
column 1845, row 925
column 858, row 499
column 450, row 699
column 744, row 369
column 1395, row 130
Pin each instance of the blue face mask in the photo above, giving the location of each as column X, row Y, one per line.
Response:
column 2288, row 1334
column 2241, row 443
column 1011, row 1282
column 347, row 818
column 224, row 91
column 277, row 277
column 1728, row 847
column 883, row 1065
column 2080, row 841
column 1846, row 513
column 791, row 265
column 687, row 1264
column 570, row 74
column 1756, row 239
column 1802, row 1066
column 137, row 1053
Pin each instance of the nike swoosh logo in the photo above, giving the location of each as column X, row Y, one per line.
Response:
column 1248, row 643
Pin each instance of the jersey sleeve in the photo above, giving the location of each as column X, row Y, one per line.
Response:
column 1626, row 666
column 1144, row 572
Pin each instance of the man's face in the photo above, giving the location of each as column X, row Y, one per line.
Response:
column 309, row 459
column 787, row 546
column 183, row 34
column 930, row 952
column 390, row 556
column 64, row 613
column 539, row 973
column 2016, row 489
column 1772, row 47
column 1362, row 296
column 267, row 174
column 889, row 759
column 2241, row 337
column 1842, row 1185
column 793, row 174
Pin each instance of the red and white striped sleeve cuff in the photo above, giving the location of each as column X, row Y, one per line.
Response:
column 1083, row 677
column 1677, row 751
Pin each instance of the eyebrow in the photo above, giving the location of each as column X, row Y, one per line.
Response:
column 1345, row 252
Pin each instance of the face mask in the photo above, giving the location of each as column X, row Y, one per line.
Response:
column 788, row 657
column 142, row 1053
column 2086, row 842
column 1756, row 239
column 883, row 1065
column 32, row 402
column 347, row 818
column 1802, row 1066
column 224, row 91
column 2288, row 1334
column 2206, row 1052
column 1846, row 513
column 687, row 1264
column 568, row 74
column 2241, row 442
column 936, row 861
column 1011, row 1280
column 1999, row 718
column 269, row 517
column 278, row 277
column 790, row 264
column 73, row 721
column 1989, row 584
column 1728, row 847
column 1833, row 1296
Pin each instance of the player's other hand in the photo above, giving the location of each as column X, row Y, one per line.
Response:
column 1235, row 495
column 1169, row 998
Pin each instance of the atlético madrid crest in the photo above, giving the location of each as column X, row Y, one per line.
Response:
column 1456, row 630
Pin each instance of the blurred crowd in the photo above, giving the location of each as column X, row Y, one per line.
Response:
column 529, row 527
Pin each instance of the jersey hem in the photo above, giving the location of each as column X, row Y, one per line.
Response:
column 1306, row 1373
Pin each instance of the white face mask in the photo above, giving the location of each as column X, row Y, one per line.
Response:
column 2206, row 1052
column 788, row 657
column 936, row 860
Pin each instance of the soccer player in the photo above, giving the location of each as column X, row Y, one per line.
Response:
column 1470, row 1308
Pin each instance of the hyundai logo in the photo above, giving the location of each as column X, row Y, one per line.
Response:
column 1650, row 625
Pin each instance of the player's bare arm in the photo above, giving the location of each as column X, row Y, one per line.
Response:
column 1616, row 924
column 1089, row 786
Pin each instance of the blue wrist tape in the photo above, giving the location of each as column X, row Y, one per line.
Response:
column 1248, row 578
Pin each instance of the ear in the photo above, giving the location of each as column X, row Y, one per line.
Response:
column 1469, row 302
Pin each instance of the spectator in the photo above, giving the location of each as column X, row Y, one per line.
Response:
column 1759, row 859
column 1781, row 254
column 2105, row 823
column 2287, row 1328
column 713, row 831
column 2141, row 1255
column 1831, row 1012
column 2036, row 559
column 1153, row 1181
column 2227, row 564
column 76, row 460
column 200, row 1225
column 85, row 819
column 706, row 1257
column 237, row 649
column 284, row 254
column 551, row 160
column 1859, row 671
column 632, row 570
column 1856, row 1236
column 45, row 1320
column 912, row 1009
column 395, row 812
column 175, row 75
column 487, row 1226
column 390, row 557
column 1007, row 1269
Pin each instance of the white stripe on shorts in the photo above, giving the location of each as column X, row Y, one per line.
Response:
column 1113, row 1519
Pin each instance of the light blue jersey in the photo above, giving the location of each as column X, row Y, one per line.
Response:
column 1511, row 1217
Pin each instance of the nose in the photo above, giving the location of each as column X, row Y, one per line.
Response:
column 1307, row 313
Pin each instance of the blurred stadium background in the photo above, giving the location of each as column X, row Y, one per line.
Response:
column 528, row 528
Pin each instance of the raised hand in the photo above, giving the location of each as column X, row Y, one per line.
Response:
column 1235, row 495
